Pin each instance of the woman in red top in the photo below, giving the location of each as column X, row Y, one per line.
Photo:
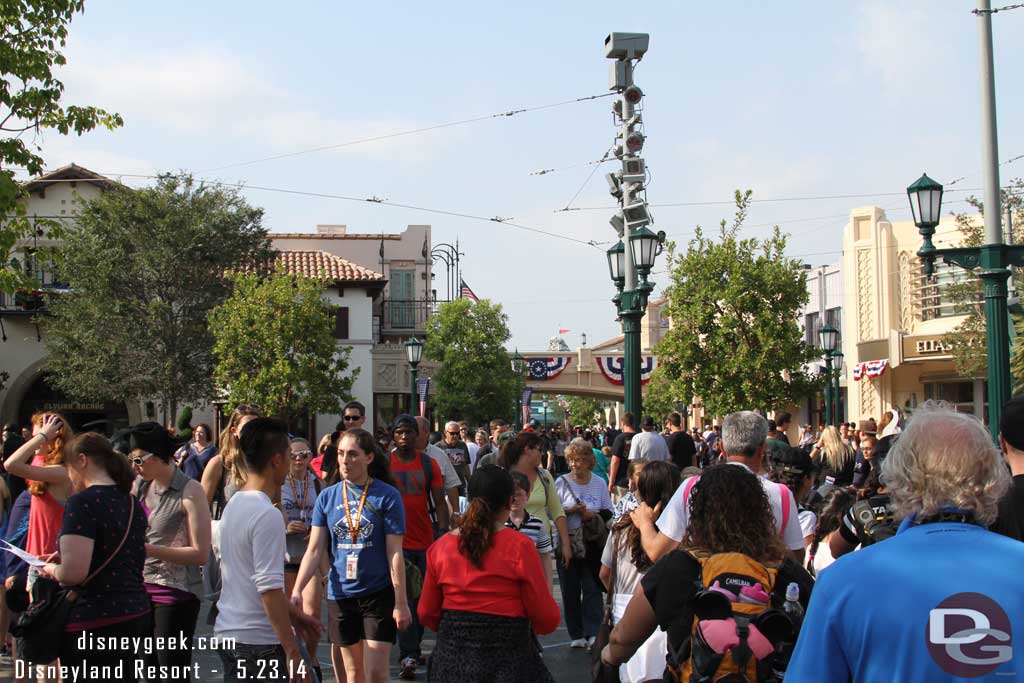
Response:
column 483, row 590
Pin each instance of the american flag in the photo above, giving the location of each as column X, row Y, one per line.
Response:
column 466, row 292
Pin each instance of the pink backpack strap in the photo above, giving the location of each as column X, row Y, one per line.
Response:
column 687, row 487
column 784, row 496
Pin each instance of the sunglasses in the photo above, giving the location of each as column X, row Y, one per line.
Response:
column 453, row 433
column 351, row 418
column 138, row 461
column 301, row 454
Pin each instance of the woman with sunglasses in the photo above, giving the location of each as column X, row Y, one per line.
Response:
column 177, row 542
column 298, row 498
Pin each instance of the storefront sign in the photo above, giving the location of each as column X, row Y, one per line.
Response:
column 74, row 407
column 928, row 346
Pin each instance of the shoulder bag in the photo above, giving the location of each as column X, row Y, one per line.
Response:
column 41, row 626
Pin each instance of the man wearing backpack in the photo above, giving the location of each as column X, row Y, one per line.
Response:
column 743, row 440
column 422, row 488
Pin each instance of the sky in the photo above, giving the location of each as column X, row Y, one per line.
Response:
column 797, row 101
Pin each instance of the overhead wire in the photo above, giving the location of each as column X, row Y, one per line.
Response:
column 413, row 131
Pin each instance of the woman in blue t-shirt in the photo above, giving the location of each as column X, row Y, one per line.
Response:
column 358, row 524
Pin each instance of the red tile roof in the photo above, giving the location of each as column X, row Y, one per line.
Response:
column 322, row 264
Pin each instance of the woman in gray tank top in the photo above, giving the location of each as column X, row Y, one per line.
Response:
column 177, row 544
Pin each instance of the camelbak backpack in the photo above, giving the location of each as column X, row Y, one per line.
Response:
column 735, row 629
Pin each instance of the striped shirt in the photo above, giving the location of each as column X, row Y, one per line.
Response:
column 534, row 528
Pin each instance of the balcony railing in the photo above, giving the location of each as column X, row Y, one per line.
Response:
column 406, row 316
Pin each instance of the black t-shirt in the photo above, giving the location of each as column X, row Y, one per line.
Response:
column 678, row 574
column 1011, row 511
column 681, row 448
column 836, row 477
column 620, row 448
column 101, row 513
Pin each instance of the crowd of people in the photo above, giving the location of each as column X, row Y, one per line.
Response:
column 729, row 553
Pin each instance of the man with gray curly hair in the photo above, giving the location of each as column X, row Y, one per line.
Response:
column 944, row 589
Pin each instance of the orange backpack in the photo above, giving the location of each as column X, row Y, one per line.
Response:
column 734, row 624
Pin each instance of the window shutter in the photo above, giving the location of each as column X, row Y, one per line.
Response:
column 341, row 322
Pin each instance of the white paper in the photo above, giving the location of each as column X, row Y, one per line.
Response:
column 31, row 559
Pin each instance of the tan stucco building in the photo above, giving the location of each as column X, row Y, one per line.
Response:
column 896, row 322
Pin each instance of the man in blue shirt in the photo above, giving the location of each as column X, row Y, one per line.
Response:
column 944, row 591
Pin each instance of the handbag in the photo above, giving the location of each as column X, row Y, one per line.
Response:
column 593, row 531
column 599, row 671
column 40, row 628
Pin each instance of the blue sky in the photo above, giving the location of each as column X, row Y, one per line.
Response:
column 791, row 100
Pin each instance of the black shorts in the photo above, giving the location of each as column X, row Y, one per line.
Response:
column 367, row 617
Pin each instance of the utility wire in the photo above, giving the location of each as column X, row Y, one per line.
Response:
column 375, row 138
column 587, row 181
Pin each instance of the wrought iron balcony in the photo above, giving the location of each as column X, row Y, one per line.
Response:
column 399, row 316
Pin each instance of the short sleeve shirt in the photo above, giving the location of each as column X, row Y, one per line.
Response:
column 620, row 449
column 297, row 501
column 382, row 515
column 419, row 529
column 117, row 592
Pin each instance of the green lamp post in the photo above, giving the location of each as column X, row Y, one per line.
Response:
column 413, row 354
column 828, row 341
column 837, row 394
column 518, row 369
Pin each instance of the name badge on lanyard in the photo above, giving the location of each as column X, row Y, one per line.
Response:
column 351, row 567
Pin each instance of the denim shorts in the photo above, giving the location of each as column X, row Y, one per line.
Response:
column 254, row 663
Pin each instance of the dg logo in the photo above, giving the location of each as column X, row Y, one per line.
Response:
column 969, row 635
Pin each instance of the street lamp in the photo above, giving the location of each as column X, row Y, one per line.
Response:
column 828, row 340
column 926, row 206
column 837, row 394
column 413, row 354
column 617, row 264
column 645, row 249
column 545, row 404
column 518, row 369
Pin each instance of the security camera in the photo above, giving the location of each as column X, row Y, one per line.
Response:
column 618, row 224
column 634, row 170
column 614, row 184
column 626, row 45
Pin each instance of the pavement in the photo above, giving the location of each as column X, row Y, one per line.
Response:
column 567, row 665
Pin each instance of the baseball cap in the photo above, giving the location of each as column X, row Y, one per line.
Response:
column 867, row 427
column 647, row 423
column 153, row 438
column 1011, row 424
column 534, row 424
column 794, row 461
column 405, row 420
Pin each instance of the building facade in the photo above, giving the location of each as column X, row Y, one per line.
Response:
column 897, row 323
column 825, row 303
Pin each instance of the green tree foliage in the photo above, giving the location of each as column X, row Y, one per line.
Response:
column 734, row 340
column 34, row 36
column 274, row 347
column 145, row 268
column 584, row 410
column 967, row 292
column 1017, row 358
column 475, row 381
column 660, row 395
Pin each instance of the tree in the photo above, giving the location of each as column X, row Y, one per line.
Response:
column 966, row 292
column 34, row 36
column 734, row 340
column 1017, row 359
column 475, row 381
column 584, row 410
column 659, row 395
column 274, row 346
column 144, row 269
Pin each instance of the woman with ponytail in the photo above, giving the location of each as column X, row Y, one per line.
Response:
column 102, row 554
column 484, row 593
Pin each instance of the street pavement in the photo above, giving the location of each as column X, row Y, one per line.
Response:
column 567, row 665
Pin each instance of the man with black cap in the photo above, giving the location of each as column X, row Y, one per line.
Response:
column 1011, row 440
column 649, row 444
column 420, row 482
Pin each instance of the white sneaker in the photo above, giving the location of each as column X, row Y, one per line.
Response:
column 578, row 643
column 590, row 642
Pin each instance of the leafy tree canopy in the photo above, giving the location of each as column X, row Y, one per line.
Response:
column 274, row 347
column 34, row 36
column 734, row 341
column 475, row 381
column 584, row 410
column 144, row 269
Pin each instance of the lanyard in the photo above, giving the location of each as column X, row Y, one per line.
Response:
column 295, row 493
column 354, row 528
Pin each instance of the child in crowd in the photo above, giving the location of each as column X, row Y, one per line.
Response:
column 521, row 520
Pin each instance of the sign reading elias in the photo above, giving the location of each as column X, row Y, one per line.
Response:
column 933, row 346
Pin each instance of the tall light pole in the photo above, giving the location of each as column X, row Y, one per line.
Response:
column 828, row 340
column 545, row 404
column 630, row 261
column 837, row 394
column 413, row 354
column 518, row 369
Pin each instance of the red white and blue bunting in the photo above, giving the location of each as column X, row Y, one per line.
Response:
column 872, row 368
column 543, row 369
column 612, row 368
